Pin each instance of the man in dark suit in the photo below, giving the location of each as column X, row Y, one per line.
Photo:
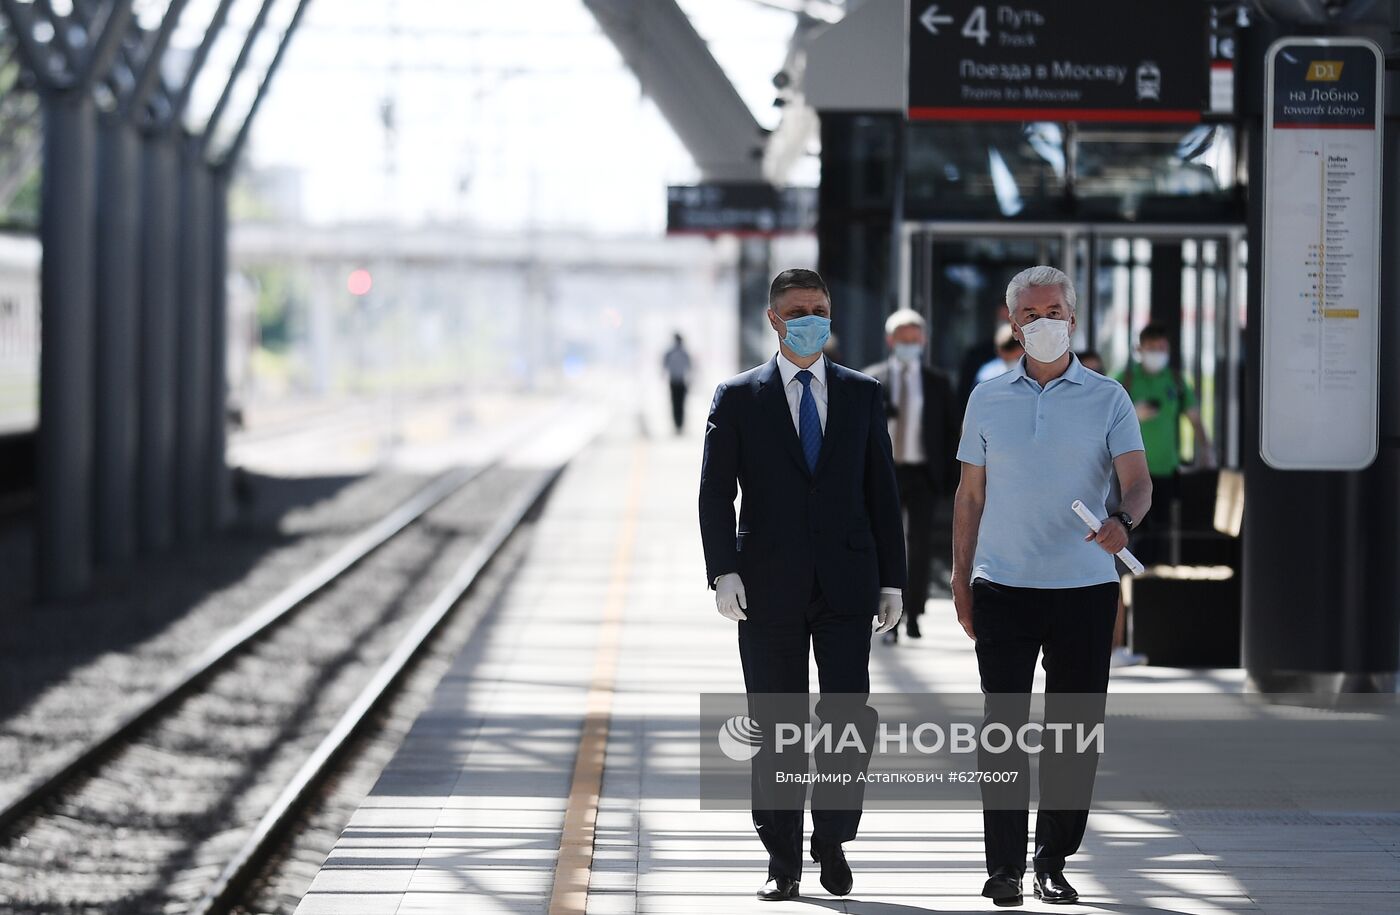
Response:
column 818, row 550
column 924, row 427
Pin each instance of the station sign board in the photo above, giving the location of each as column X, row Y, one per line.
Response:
column 1128, row 61
column 739, row 208
column 1320, row 331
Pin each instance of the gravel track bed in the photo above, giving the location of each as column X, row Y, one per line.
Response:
column 68, row 671
column 148, row 831
column 287, row 876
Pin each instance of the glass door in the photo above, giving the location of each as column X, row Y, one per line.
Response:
column 957, row 281
column 1188, row 278
column 1190, row 283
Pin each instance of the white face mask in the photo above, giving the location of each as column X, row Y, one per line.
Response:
column 1046, row 339
column 1155, row 361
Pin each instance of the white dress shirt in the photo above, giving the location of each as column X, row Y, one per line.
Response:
column 793, row 389
column 901, row 373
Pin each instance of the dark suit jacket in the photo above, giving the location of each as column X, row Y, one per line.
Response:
column 974, row 357
column 942, row 423
column 842, row 523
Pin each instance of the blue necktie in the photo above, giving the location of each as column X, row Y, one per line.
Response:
column 809, row 425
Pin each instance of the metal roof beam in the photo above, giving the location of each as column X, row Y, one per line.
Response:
column 37, row 57
column 61, row 25
column 149, row 75
column 235, row 148
column 675, row 67
column 181, row 101
column 109, row 41
column 239, row 63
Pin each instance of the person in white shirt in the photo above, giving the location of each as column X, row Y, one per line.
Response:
column 924, row 427
column 676, row 364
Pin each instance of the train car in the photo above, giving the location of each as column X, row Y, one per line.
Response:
column 19, row 334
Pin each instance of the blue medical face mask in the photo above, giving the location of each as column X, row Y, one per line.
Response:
column 909, row 352
column 807, row 335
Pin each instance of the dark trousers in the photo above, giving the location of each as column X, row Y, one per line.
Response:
column 1151, row 540
column 920, row 499
column 774, row 654
column 678, row 404
column 1073, row 627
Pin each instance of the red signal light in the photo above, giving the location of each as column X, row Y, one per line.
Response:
column 360, row 282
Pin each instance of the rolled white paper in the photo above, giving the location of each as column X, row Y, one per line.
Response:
column 1128, row 558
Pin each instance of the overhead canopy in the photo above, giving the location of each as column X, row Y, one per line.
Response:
column 676, row 68
column 858, row 63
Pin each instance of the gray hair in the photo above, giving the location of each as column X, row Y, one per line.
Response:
column 1039, row 276
column 903, row 318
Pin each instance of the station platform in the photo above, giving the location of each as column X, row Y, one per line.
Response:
column 556, row 768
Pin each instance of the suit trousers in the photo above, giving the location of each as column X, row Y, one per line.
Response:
column 774, row 654
column 1073, row 627
column 920, row 499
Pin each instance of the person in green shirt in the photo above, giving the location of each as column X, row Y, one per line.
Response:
column 1161, row 397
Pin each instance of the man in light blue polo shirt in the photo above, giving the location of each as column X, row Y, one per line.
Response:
column 1026, row 578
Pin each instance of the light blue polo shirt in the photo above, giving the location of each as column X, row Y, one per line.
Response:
column 1043, row 448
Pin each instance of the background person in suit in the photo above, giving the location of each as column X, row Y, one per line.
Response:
column 924, row 424
column 818, row 551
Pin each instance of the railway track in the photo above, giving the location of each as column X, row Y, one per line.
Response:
column 182, row 801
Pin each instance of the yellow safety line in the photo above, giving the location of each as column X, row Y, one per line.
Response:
column 574, row 867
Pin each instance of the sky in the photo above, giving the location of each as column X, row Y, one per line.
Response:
column 510, row 116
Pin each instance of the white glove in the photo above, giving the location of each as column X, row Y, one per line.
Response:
column 730, row 599
column 891, row 609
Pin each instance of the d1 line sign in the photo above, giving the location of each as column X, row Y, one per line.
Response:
column 1321, row 277
column 1131, row 61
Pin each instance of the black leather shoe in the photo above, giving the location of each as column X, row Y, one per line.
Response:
column 1052, row 887
column 778, row 888
column 836, row 873
column 1003, row 889
column 912, row 628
